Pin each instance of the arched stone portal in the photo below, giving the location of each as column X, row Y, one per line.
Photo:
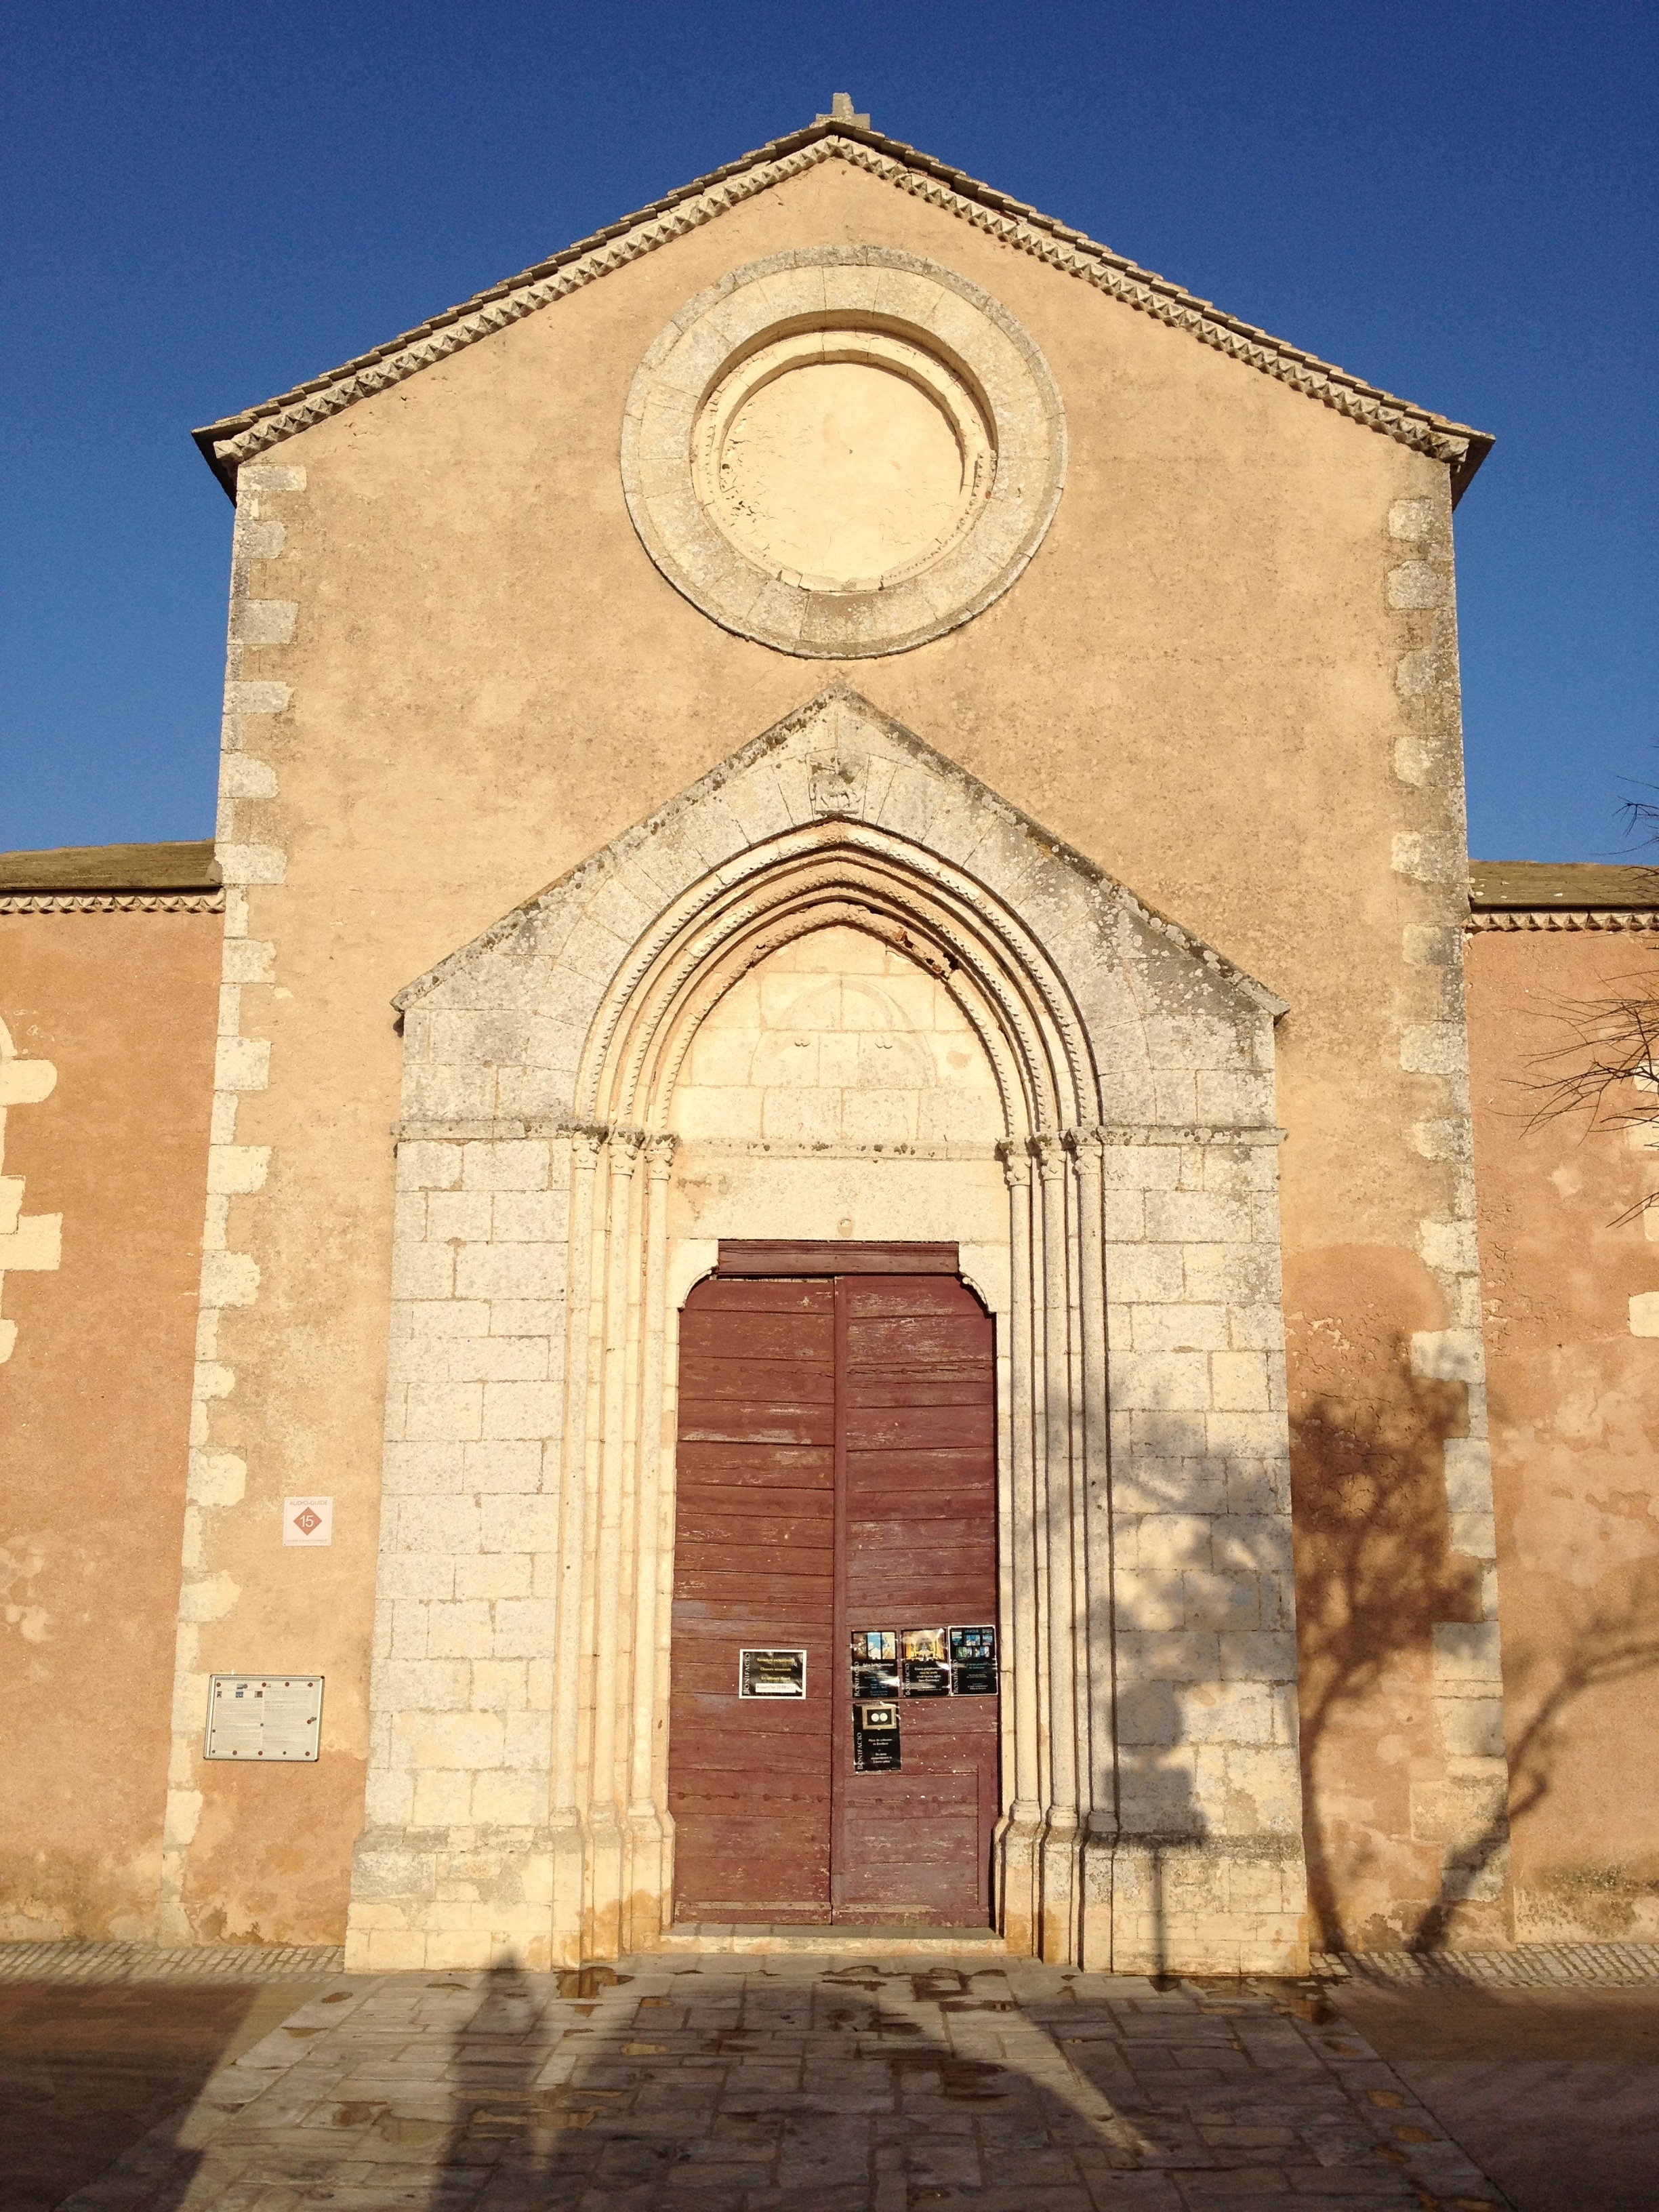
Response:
column 1102, row 1150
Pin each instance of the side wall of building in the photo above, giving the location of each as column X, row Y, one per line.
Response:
column 1572, row 1315
column 110, row 1014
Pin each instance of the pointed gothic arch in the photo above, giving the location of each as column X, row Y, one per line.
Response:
column 1135, row 1175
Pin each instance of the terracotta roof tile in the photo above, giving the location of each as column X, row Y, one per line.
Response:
column 187, row 867
column 1583, row 886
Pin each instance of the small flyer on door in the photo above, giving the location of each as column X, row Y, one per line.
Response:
column 875, row 1663
column 876, row 1740
column 973, row 1663
column 926, row 1670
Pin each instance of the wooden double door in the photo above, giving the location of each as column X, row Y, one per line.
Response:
column 836, row 1479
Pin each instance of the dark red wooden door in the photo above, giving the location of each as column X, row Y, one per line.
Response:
column 916, row 1488
column 837, row 1472
column 754, row 1564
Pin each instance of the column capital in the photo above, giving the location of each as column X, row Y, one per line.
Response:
column 1048, row 1150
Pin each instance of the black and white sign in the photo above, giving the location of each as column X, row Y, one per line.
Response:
column 771, row 1673
column 876, row 1747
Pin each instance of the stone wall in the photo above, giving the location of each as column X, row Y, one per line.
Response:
column 106, row 1036
column 1570, row 1262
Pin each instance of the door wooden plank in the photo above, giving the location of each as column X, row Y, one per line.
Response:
column 749, row 1778
column 828, row 1258
column 916, row 1487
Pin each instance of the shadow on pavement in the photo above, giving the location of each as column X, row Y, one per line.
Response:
column 87, row 2069
column 1554, row 2091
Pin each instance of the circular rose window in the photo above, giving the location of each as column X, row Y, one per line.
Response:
column 842, row 452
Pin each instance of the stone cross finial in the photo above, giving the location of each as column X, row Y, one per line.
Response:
column 841, row 111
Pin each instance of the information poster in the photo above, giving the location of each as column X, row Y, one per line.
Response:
column 771, row 1673
column 974, row 1661
column 925, row 1668
column 263, row 1716
column 876, row 1748
column 875, row 1663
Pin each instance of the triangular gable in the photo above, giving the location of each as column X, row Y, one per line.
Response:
column 226, row 444
column 837, row 756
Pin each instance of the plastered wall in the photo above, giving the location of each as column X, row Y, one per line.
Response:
column 1228, row 676
column 1567, row 1268
column 104, row 1089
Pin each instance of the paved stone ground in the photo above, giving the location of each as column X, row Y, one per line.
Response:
column 780, row 2084
column 86, row 2070
column 1554, row 2091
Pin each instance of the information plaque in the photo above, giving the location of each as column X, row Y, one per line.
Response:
column 771, row 1673
column 268, row 1716
column 876, row 1738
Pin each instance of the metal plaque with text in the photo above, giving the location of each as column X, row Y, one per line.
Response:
column 273, row 1717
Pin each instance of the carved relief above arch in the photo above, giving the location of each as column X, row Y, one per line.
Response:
column 1116, row 1207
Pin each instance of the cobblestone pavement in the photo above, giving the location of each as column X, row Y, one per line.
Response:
column 780, row 2084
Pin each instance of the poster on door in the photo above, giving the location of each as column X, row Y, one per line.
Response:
column 924, row 1665
column 974, row 1661
column 875, row 1663
column 876, row 1746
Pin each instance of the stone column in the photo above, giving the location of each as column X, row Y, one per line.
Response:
column 1098, row 1730
column 1019, row 1829
column 1057, row 1524
column 643, row 1902
column 607, row 1780
column 565, row 1814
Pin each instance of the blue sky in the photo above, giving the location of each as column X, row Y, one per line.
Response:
column 203, row 206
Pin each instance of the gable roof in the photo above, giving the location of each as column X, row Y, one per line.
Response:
column 1572, row 886
column 176, row 866
column 846, row 138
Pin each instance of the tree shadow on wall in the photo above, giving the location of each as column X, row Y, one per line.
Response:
column 1375, row 1576
column 1613, row 1637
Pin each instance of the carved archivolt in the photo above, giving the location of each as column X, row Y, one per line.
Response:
column 862, row 876
column 1059, row 1737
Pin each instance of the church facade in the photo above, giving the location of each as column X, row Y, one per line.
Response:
column 788, row 1232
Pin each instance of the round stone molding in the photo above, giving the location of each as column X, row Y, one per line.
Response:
column 842, row 452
